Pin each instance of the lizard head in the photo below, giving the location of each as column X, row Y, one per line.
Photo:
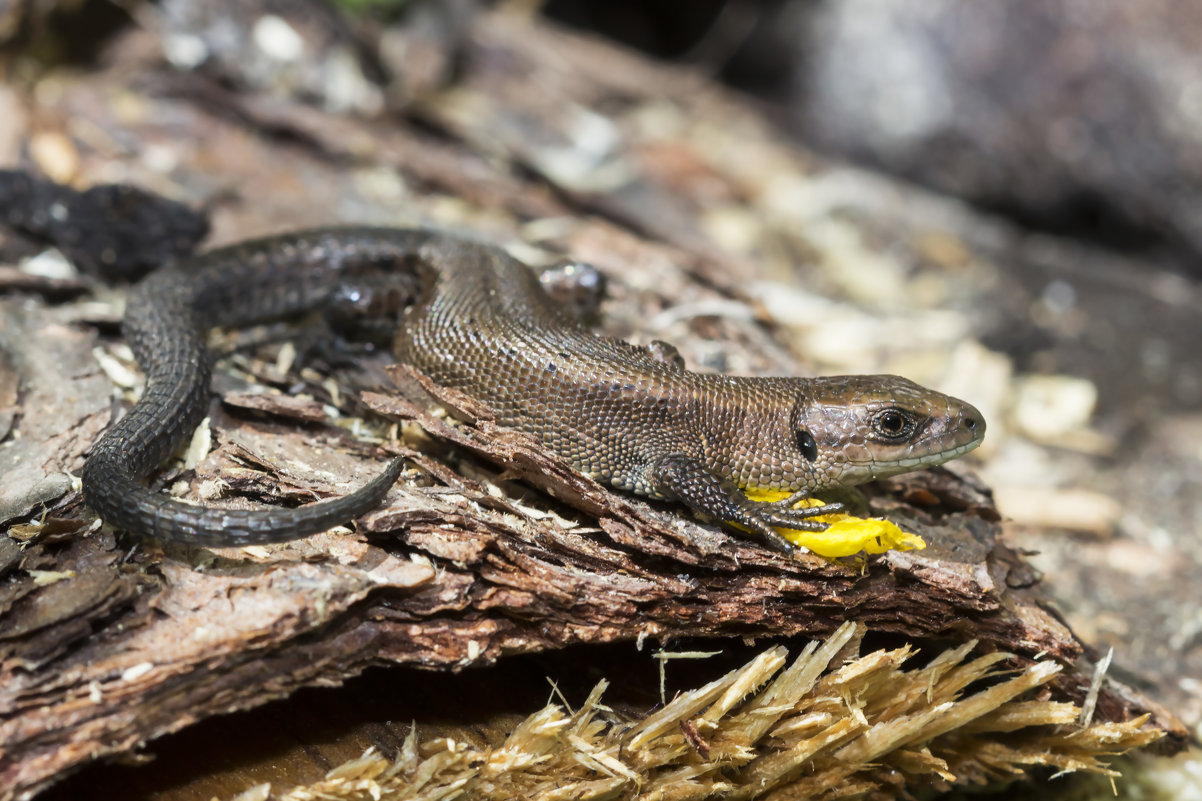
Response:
column 853, row 429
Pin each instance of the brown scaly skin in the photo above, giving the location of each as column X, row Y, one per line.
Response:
column 628, row 415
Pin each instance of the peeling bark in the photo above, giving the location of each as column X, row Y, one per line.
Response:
column 488, row 546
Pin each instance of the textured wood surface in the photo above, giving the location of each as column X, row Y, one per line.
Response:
column 488, row 547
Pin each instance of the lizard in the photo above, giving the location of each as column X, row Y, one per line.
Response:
column 478, row 320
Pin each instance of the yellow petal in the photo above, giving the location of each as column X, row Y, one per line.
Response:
column 846, row 535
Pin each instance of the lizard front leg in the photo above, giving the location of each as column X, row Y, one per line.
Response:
column 683, row 478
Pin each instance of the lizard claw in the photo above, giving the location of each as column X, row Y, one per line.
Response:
column 782, row 513
column 762, row 518
column 787, row 503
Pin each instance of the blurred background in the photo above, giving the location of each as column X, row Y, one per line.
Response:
column 998, row 200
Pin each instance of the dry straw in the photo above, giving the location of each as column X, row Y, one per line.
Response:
column 865, row 729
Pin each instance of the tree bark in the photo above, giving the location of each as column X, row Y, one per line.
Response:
column 489, row 546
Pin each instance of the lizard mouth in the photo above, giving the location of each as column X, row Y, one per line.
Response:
column 913, row 462
column 880, row 468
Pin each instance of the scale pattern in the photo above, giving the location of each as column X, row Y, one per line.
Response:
column 481, row 323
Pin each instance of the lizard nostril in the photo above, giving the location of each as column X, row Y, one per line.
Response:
column 970, row 423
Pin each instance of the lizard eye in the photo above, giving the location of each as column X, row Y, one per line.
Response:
column 807, row 445
column 892, row 424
